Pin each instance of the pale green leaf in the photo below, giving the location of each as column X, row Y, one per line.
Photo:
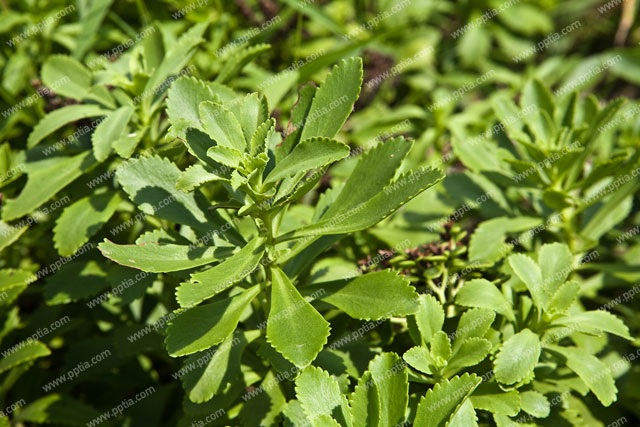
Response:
column 535, row 404
column 294, row 327
column 488, row 241
column 66, row 76
column 254, row 111
column 465, row 416
column 372, row 296
column 309, row 154
column 83, row 219
column 365, row 402
column 598, row 320
column 419, row 358
column 528, row 272
column 45, row 179
column 110, row 130
column 391, row 377
column 555, row 261
column 517, row 357
column 24, row 352
column 564, row 297
column 163, row 257
column 222, row 126
column 429, row 318
column 318, row 392
column 442, row 401
column 199, row 328
column 490, row 397
column 334, row 100
column 60, row 117
column 183, row 103
column 211, row 282
column 483, row 294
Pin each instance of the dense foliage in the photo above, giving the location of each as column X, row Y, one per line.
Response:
column 312, row 213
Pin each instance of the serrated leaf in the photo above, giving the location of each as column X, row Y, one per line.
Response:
column 211, row 282
column 75, row 281
column 12, row 283
column 365, row 402
column 483, row 294
column 440, row 347
column 196, row 175
column 528, row 272
column 150, row 183
column 222, row 126
column 429, row 318
column 213, row 369
column 376, row 209
column 564, row 297
column 442, row 401
column 294, row 327
column 419, row 358
column 470, row 352
column 183, row 102
column 238, row 60
column 517, row 357
column 318, row 393
column 488, row 241
column 109, row 131
column 598, row 320
column 340, row 90
column 474, row 323
column 45, row 179
column 465, row 416
column 535, row 404
column 24, row 353
column 555, row 263
column 199, row 328
column 225, row 155
column 372, row 296
column 258, row 142
column 490, row 397
column 592, row 371
column 66, row 76
column 385, row 158
column 10, row 233
column 309, row 154
column 254, row 111
column 162, row 257
column 391, row 377
column 81, row 220
column 59, row 118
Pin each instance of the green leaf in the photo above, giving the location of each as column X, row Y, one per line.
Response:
column 10, row 233
column 261, row 136
column 46, row 178
column 419, row 358
column 12, row 283
column 536, row 95
column 214, row 369
column 150, row 183
column 535, row 403
column 110, row 130
column 362, row 185
column 183, row 103
column 66, row 76
column 365, row 402
column 196, row 175
column 465, row 416
column 376, row 209
column 238, row 60
column 490, row 397
column 294, row 327
column 440, row 348
column 429, row 318
column 199, row 328
column 488, row 241
column 211, row 282
column 391, row 377
column 592, row 371
column 309, row 154
column 90, row 19
column 83, row 219
column 57, row 409
column 441, row 402
column 564, row 297
column 517, row 357
column 469, row 353
column 555, row 261
column 24, row 352
column 372, row 296
column 334, row 100
column 318, row 393
column 75, row 281
column 162, row 257
column 528, row 271
column 598, row 320
column 474, row 323
column 254, row 111
column 225, row 155
column 61, row 117
column 484, row 294
column 222, row 126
